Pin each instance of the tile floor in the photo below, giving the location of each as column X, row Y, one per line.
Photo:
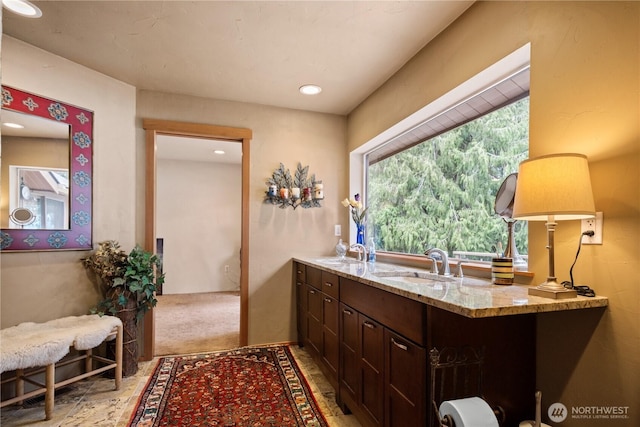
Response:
column 93, row 402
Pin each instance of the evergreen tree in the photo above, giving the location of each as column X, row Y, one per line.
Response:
column 441, row 192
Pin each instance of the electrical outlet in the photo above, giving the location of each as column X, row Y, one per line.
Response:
column 337, row 230
column 226, row 268
column 595, row 225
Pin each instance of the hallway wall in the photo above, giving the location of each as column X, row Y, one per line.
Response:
column 199, row 218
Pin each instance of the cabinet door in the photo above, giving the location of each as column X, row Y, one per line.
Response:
column 371, row 369
column 349, row 366
column 405, row 381
column 314, row 320
column 330, row 344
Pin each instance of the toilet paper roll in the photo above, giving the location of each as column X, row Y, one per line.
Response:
column 469, row 412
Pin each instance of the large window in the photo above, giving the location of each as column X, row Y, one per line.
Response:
column 440, row 191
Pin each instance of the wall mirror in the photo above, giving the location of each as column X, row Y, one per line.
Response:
column 46, row 201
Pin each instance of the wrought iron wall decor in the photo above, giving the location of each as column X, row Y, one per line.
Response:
column 299, row 189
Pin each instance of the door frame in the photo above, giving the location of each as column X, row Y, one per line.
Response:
column 154, row 127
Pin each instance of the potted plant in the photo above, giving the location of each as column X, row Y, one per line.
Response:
column 127, row 283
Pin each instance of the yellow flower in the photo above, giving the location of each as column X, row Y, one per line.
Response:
column 356, row 208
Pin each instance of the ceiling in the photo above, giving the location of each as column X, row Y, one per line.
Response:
column 249, row 51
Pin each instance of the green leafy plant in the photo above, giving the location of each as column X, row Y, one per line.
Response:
column 126, row 280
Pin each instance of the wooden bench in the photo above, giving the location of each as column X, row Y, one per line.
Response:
column 32, row 348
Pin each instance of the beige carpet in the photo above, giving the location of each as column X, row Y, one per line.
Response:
column 197, row 323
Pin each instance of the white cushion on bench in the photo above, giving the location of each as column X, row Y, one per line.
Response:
column 30, row 345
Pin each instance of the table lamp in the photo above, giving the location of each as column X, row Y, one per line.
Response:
column 553, row 188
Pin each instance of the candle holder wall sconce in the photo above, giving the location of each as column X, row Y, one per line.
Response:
column 286, row 190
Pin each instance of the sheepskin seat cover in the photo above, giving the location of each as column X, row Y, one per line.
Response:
column 29, row 344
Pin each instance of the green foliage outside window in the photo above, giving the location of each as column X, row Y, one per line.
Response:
column 441, row 192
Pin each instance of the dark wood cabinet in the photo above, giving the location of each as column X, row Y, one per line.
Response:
column 318, row 314
column 373, row 346
column 330, row 325
column 349, row 358
column 299, row 278
column 330, row 343
column 371, row 352
column 405, row 370
column 381, row 372
column 314, row 320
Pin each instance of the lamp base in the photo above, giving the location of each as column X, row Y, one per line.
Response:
column 552, row 289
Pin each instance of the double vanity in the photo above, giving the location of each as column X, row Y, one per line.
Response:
column 370, row 328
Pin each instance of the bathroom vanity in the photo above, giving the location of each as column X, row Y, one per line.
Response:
column 370, row 328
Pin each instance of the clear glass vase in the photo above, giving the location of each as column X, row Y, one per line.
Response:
column 341, row 250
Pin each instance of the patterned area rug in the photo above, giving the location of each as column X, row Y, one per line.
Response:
column 251, row 386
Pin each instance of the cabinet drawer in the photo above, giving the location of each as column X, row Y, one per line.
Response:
column 330, row 284
column 314, row 277
column 403, row 315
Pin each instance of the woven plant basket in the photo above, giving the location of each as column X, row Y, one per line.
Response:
column 129, row 339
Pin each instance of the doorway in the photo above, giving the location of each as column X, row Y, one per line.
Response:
column 158, row 128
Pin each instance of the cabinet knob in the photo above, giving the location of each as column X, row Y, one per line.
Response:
column 369, row 325
column 329, row 284
column 328, row 300
column 348, row 312
column 299, row 271
column 400, row 346
column 311, row 291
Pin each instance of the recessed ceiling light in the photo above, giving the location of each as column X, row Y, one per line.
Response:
column 23, row 8
column 218, row 151
column 13, row 125
column 310, row 89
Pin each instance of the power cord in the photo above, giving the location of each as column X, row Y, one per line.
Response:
column 581, row 289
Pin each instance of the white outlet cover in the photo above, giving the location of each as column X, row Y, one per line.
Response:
column 596, row 225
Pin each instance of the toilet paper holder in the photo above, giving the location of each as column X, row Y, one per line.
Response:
column 449, row 364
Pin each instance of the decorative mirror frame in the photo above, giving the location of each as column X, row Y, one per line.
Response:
column 80, row 121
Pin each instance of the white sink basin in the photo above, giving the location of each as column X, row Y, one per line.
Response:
column 337, row 261
column 413, row 276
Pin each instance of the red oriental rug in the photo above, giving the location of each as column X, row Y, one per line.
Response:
column 257, row 386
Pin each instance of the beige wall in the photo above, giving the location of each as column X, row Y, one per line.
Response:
column 198, row 216
column 585, row 97
column 44, row 285
column 275, row 235
column 41, row 286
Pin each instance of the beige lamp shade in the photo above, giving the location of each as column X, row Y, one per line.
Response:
column 556, row 185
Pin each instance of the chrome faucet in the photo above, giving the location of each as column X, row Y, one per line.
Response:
column 444, row 268
column 362, row 251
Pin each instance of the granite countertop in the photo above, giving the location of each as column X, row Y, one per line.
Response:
column 468, row 296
